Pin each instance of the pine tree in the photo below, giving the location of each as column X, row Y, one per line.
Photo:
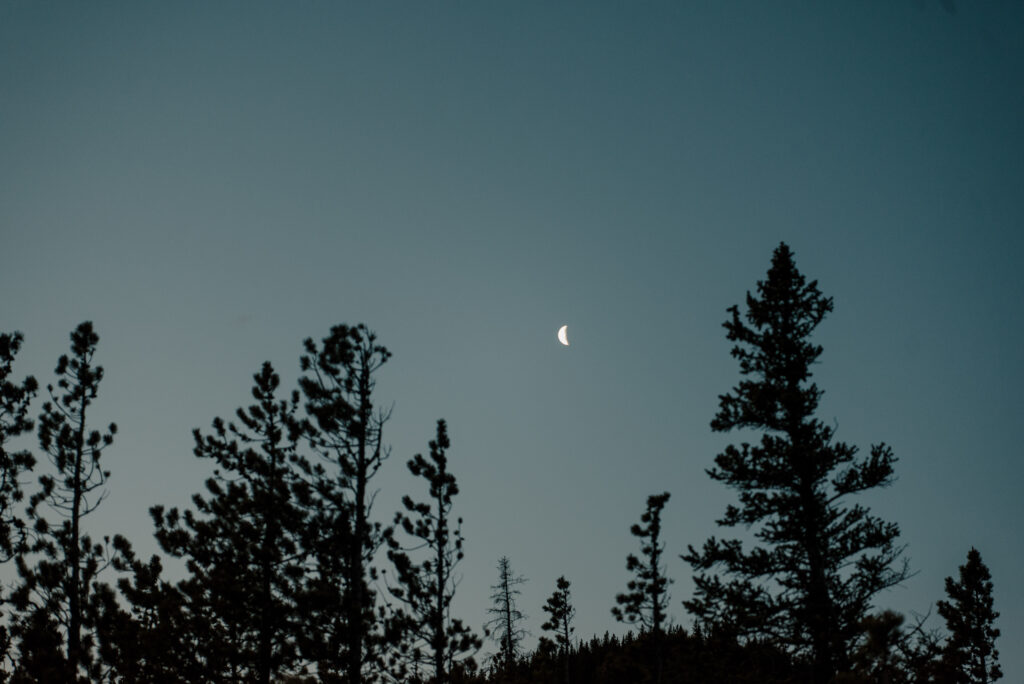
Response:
column 819, row 561
column 243, row 546
column 14, row 421
column 646, row 600
column 560, row 616
column 427, row 589
column 970, row 653
column 347, row 430
column 57, row 595
column 504, row 626
column 146, row 635
column 15, row 399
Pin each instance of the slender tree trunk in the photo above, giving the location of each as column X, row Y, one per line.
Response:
column 356, row 569
column 440, row 676
column 74, row 595
column 266, row 608
column 565, row 647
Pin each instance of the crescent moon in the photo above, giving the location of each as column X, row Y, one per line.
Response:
column 563, row 335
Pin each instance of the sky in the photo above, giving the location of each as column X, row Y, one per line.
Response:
column 212, row 183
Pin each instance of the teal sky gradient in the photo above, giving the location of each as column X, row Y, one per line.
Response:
column 210, row 183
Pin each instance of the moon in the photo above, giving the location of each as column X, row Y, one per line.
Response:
column 563, row 335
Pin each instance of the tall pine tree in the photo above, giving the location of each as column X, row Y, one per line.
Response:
column 426, row 589
column 560, row 616
column 970, row 654
column 15, row 399
column 56, row 597
column 243, row 545
column 818, row 562
column 347, row 430
column 646, row 600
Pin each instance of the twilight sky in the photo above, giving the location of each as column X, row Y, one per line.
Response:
column 210, row 183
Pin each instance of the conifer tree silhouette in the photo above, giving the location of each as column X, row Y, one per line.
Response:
column 646, row 600
column 426, row 589
column 970, row 654
column 347, row 431
column 560, row 616
column 504, row 626
column 15, row 399
column 242, row 545
column 57, row 594
column 810, row 582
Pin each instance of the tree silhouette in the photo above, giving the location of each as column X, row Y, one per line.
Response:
column 347, row 430
column 504, row 626
column 970, row 655
column 560, row 616
column 14, row 421
column 242, row 546
column 146, row 634
column 427, row 589
column 15, row 399
column 820, row 561
column 57, row 595
column 646, row 599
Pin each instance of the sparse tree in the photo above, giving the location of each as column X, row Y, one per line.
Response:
column 347, row 431
column 57, row 595
column 426, row 589
column 646, row 600
column 560, row 616
column 242, row 545
column 504, row 626
column 809, row 581
column 970, row 654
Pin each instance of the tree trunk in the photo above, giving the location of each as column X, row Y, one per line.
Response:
column 74, row 595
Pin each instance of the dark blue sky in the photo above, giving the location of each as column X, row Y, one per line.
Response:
column 210, row 183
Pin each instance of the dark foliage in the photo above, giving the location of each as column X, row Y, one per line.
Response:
column 560, row 616
column 14, row 421
column 242, row 545
column 15, row 399
column 819, row 562
column 57, row 594
column 646, row 599
column 709, row 659
column 345, row 636
column 432, row 642
column 970, row 655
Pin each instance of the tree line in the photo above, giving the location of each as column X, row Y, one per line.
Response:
column 285, row 556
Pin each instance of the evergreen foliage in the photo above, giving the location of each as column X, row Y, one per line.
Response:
column 346, row 635
column 970, row 655
column 15, row 399
column 243, row 544
column 428, row 632
column 504, row 626
column 689, row 658
column 57, row 598
column 646, row 599
column 560, row 616
column 819, row 562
